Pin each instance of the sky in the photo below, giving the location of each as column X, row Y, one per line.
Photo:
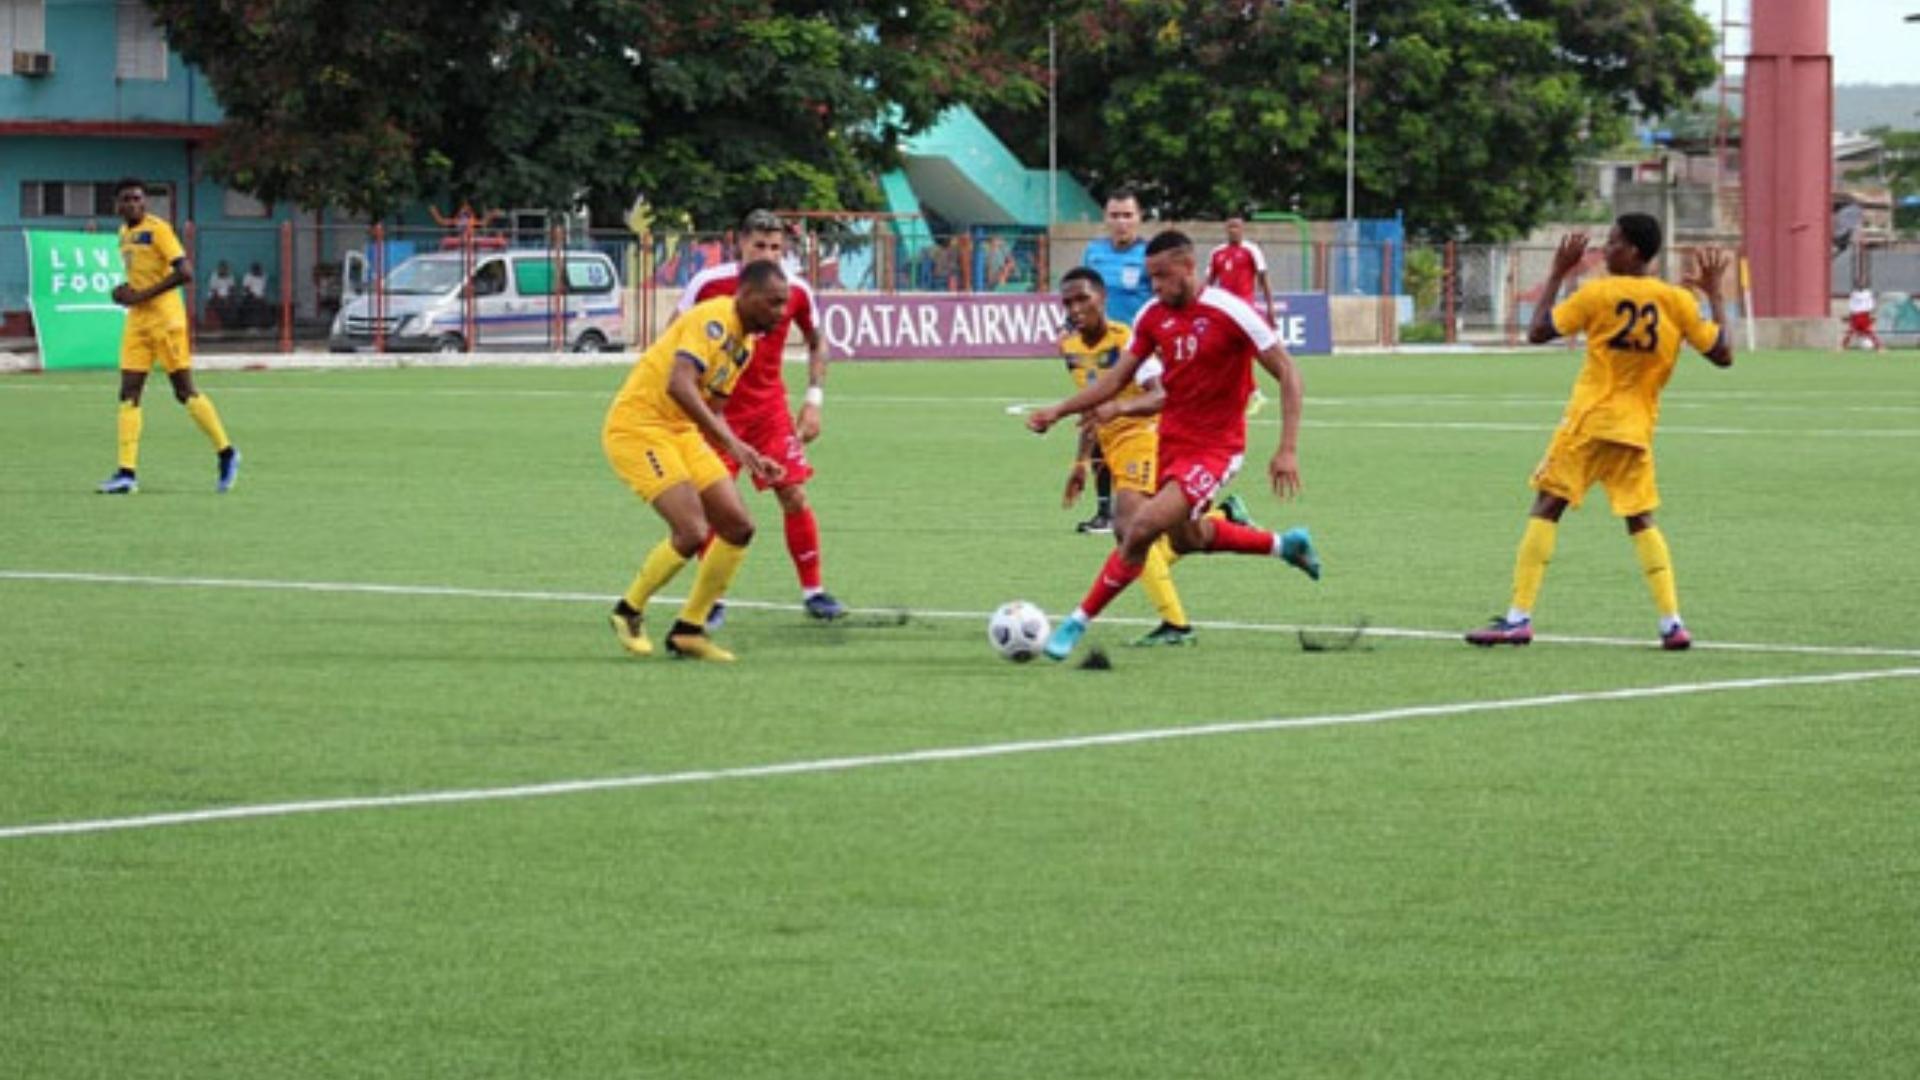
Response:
column 1869, row 39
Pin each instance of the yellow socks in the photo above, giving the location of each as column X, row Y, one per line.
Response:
column 208, row 419
column 662, row 563
column 129, row 427
column 1157, row 580
column 1530, row 564
column 717, row 568
column 1657, row 564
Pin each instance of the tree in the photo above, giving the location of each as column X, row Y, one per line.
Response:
column 1470, row 112
column 706, row 106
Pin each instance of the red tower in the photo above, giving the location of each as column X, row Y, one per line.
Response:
column 1786, row 159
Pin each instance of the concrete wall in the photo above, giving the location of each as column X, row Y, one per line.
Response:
column 83, row 37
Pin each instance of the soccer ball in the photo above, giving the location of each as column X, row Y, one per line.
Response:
column 1018, row 630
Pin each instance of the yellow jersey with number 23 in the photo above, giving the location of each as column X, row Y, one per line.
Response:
column 148, row 251
column 1634, row 326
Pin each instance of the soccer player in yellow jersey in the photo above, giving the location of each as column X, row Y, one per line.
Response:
column 657, row 437
column 1124, row 432
column 157, row 268
column 1634, row 324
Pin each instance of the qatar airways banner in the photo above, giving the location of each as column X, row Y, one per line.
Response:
column 989, row 326
column 875, row 326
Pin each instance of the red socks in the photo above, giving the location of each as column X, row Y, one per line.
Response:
column 803, row 543
column 1113, row 579
column 1240, row 539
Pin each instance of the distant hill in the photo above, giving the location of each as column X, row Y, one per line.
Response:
column 1859, row 106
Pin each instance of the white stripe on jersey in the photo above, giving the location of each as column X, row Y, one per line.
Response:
column 1149, row 370
column 717, row 272
column 1259, row 257
column 1241, row 312
column 724, row 271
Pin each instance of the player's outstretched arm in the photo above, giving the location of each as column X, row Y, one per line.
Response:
column 683, row 386
column 1706, row 275
column 1284, row 470
column 1107, row 385
column 1573, row 248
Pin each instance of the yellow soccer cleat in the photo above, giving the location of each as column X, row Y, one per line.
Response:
column 697, row 646
column 632, row 635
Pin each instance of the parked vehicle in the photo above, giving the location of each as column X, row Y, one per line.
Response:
column 424, row 306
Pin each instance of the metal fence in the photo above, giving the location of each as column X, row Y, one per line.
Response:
column 283, row 287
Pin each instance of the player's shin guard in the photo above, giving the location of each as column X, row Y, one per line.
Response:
column 1156, row 578
column 129, row 433
column 1656, row 562
column 803, row 543
column 1242, row 539
column 662, row 563
column 208, row 419
column 717, row 568
column 1113, row 579
column 1530, row 563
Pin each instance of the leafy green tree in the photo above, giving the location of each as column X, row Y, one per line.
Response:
column 1470, row 112
column 706, row 106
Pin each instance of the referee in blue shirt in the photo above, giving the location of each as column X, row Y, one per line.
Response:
column 1120, row 258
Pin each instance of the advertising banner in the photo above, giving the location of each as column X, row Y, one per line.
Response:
column 71, row 276
column 873, row 326
column 982, row 326
column 1305, row 323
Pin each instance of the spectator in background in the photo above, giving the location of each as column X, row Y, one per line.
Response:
column 220, row 294
column 946, row 266
column 1239, row 264
column 253, row 310
column 1860, row 305
column 998, row 263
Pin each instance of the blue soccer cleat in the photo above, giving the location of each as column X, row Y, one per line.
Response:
column 1502, row 632
column 1064, row 637
column 120, row 483
column 1296, row 550
column 824, row 607
column 229, row 469
column 716, row 616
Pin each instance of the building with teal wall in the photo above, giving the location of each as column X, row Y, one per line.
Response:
column 90, row 93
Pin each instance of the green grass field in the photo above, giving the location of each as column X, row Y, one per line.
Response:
column 1584, row 859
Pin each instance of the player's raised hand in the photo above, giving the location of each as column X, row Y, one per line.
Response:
column 1707, row 271
column 1284, row 471
column 1573, row 248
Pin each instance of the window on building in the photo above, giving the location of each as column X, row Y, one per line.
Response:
column 239, row 204
column 23, row 26
column 85, row 199
column 140, row 49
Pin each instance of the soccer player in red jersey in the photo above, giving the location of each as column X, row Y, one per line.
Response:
column 1208, row 341
column 757, row 408
column 1238, row 264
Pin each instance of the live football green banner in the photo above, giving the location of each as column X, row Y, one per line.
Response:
column 71, row 276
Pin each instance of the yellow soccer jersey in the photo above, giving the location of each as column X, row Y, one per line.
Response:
column 148, row 251
column 1634, row 326
column 711, row 335
column 1088, row 362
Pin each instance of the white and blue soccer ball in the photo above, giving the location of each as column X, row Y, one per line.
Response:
column 1018, row 630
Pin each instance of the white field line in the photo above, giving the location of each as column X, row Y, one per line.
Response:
column 935, row 755
column 543, row 596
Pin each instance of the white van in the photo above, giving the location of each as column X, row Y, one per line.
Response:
column 425, row 305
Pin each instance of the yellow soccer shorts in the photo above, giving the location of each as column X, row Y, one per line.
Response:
column 1575, row 463
column 653, row 459
column 1132, row 457
column 142, row 344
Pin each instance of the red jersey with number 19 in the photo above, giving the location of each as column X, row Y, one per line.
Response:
column 760, row 386
column 1207, row 346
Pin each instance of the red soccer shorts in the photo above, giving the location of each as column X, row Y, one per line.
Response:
column 1200, row 473
column 770, row 431
column 1862, row 322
